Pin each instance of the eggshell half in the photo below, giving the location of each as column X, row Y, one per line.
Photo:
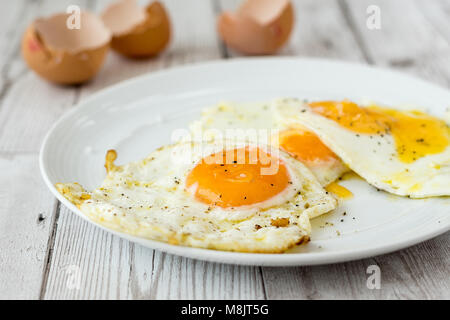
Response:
column 138, row 32
column 258, row 27
column 63, row 55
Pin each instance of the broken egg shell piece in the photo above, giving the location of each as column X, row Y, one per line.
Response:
column 64, row 55
column 123, row 16
column 259, row 27
column 138, row 32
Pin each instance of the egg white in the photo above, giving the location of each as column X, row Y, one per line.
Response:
column 148, row 198
column 216, row 121
column 373, row 157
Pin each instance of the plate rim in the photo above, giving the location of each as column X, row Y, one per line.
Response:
column 239, row 258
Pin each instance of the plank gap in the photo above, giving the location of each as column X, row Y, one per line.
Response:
column 50, row 246
column 343, row 5
column 263, row 284
column 217, row 9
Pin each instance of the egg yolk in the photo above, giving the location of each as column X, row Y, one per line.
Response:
column 235, row 178
column 339, row 190
column 416, row 134
column 305, row 146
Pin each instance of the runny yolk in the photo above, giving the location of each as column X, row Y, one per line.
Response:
column 339, row 190
column 305, row 146
column 236, row 177
column 416, row 134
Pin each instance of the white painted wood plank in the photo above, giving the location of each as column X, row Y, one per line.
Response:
column 12, row 18
column 321, row 31
column 112, row 268
column 193, row 279
column 87, row 263
column 420, row 272
column 26, row 209
column 437, row 13
column 406, row 41
column 26, row 109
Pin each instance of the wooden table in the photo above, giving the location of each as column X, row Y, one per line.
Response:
column 46, row 252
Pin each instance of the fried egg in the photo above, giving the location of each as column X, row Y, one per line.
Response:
column 406, row 153
column 235, row 197
column 256, row 122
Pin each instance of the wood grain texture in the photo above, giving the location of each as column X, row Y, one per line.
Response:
column 321, row 31
column 48, row 252
column 437, row 15
column 420, row 272
column 406, row 40
column 25, row 226
column 27, row 108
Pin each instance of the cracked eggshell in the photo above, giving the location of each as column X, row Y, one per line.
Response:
column 138, row 32
column 63, row 55
column 258, row 27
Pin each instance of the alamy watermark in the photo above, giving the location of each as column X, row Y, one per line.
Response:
column 373, row 21
column 374, row 279
column 73, row 277
column 74, row 19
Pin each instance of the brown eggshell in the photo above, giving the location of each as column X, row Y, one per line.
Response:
column 138, row 33
column 258, row 27
column 63, row 55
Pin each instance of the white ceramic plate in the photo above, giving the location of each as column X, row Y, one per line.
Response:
column 138, row 115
